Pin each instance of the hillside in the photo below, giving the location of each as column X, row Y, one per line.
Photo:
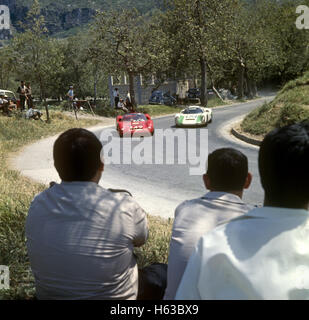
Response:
column 290, row 106
column 63, row 15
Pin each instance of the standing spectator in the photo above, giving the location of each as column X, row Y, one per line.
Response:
column 80, row 236
column 29, row 95
column 22, row 95
column 264, row 254
column 70, row 94
column 227, row 177
column 116, row 97
column 128, row 97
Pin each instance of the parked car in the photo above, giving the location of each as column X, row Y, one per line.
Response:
column 134, row 124
column 158, row 97
column 11, row 96
column 193, row 116
column 194, row 94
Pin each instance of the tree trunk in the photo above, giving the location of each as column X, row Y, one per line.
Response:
column 217, row 93
column 241, row 82
column 131, row 88
column 95, row 86
column 204, row 97
column 45, row 103
column 254, row 89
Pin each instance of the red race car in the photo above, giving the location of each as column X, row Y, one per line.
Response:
column 134, row 124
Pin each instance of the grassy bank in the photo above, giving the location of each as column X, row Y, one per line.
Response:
column 18, row 191
column 290, row 106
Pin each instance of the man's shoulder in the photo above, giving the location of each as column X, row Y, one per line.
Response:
column 208, row 203
column 89, row 196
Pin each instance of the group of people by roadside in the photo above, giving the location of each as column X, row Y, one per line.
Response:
column 81, row 237
column 125, row 105
column 25, row 95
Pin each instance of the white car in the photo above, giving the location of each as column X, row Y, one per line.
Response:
column 193, row 116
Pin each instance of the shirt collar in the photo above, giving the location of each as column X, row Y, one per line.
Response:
column 267, row 212
column 223, row 196
column 79, row 183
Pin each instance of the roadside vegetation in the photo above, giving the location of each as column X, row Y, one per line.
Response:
column 290, row 106
column 17, row 192
column 104, row 109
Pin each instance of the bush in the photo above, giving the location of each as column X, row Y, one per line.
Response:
column 289, row 107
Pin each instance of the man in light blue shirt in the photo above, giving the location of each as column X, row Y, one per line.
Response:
column 80, row 236
column 70, row 93
column 227, row 177
column 264, row 254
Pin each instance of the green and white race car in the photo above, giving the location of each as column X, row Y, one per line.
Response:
column 193, row 117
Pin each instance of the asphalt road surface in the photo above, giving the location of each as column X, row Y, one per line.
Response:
column 160, row 188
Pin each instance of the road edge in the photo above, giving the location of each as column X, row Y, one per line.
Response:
column 243, row 137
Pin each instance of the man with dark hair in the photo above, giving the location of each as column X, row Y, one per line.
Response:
column 226, row 178
column 80, row 237
column 21, row 90
column 116, row 97
column 264, row 254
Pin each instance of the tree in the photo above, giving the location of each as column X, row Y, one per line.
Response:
column 7, row 66
column 192, row 24
column 130, row 43
column 38, row 58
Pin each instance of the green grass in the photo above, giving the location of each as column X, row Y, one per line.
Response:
column 290, row 106
column 157, row 247
column 17, row 192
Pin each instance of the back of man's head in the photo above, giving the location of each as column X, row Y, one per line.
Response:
column 227, row 170
column 77, row 155
column 284, row 166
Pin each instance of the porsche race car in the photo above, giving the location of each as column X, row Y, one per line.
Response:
column 193, row 116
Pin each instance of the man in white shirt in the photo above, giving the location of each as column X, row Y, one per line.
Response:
column 122, row 106
column 264, row 254
column 116, row 97
column 227, row 177
column 80, row 237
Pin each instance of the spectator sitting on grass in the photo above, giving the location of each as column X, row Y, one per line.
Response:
column 264, row 254
column 4, row 105
column 80, row 237
column 226, row 178
column 34, row 114
column 122, row 106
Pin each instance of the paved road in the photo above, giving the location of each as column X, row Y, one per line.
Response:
column 160, row 188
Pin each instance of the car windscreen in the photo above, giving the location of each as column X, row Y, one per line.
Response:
column 10, row 94
column 134, row 117
column 193, row 111
column 156, row 95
